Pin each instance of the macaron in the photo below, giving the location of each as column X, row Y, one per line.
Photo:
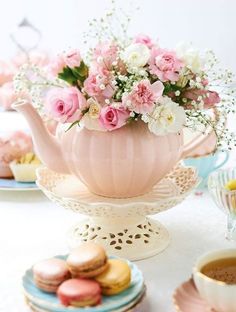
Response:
column 116, row 278
column 78, row 292
column 49, row 274
column 88, row 260
column 231, row 185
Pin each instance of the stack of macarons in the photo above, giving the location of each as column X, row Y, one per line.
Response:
column 82, row 279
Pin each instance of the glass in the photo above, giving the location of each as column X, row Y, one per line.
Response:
column 224, row 199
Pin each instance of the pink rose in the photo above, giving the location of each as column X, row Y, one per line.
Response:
column 210, row 98
column 57, row 65
column 7, row 95
column 65, row 105
column 144, row 39
column 7, row 71
column 143, row 96
column 72, row 58
column 113, row 118
column 99, row 85
column 165, row 64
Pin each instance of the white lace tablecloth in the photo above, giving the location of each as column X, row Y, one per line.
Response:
column 33, row 228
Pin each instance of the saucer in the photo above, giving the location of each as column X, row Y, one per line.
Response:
column 134, row 306
column 13, row 185
column 49, row 302
column 187, row 299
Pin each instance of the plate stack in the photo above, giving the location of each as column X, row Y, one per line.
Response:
column 132, row 299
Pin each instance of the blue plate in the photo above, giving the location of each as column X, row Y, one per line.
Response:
column 13, row 185
column 51, row 303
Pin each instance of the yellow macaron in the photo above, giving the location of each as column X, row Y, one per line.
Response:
column 231, row 185
column 116, row 278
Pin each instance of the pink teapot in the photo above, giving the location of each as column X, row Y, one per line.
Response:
column 123, row 163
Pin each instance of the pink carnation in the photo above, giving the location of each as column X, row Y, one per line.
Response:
column 65, row 105
column 105, row 57
column 210, row 98
column 72, row 58
column 144, row 39
column 99, row 85
column 143, row 96
column 113, row 118
column 105, row 54
column 165, row 64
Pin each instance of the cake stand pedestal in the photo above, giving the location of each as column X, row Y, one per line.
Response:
column 120, row 225
column 134, row 238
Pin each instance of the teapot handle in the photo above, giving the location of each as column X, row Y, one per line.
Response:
column 194, row 144
column 198, row 140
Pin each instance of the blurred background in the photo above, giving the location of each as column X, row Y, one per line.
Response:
column 206, row 23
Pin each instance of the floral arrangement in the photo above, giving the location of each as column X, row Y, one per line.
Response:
column 121, row 81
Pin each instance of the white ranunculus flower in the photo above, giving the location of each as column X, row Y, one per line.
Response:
column 136, row 55
column 191, row 57
column 167, row 117
column 94, row 108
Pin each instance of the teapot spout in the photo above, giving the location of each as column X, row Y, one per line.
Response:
column 47, row 146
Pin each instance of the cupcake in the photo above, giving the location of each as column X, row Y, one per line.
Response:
column 24, row 169
column 13, row 147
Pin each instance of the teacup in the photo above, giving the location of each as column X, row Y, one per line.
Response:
column 218, row 294
column 207, row 164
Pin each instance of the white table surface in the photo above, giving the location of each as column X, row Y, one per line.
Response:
column 33, row 228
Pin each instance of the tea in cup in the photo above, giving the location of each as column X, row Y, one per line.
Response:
column 215, row 278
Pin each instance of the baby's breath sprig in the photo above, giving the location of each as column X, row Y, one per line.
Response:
column 226, row 140
column 34, row 81
column 112, row 27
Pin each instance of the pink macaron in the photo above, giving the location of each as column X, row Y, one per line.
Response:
column 79, row 292
column 50, row 273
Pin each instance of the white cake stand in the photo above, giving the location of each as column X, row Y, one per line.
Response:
column 120, row 225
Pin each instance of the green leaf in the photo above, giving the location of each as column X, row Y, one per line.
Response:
column 170, row 88
column 68, row 76
column 81, row 72
column 72, row 125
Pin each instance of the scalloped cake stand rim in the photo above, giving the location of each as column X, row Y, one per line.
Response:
column 123, row 229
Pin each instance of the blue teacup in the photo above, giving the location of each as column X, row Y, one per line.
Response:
column 207, row 164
